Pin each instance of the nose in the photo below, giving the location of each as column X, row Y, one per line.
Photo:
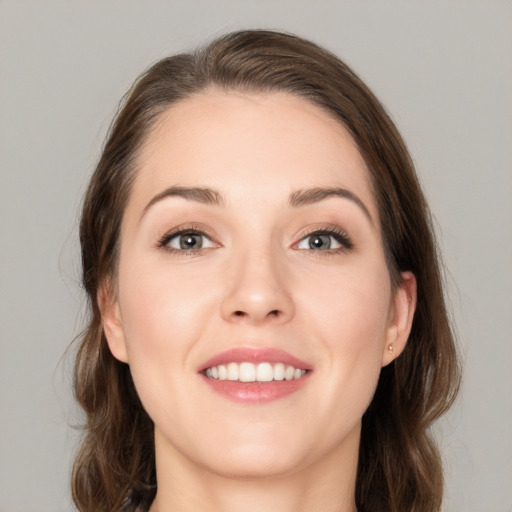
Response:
column 258, row 291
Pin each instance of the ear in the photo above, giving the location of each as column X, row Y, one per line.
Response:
column 112, row 321
column 400, row 318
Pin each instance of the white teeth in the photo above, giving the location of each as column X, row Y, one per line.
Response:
column 249, row 372
column 246, row 372
column 232, row 371
column 279, row 371
column 289, row 372
column 223, row 372
column 264, row 372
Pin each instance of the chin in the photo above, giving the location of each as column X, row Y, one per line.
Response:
column 248, row 465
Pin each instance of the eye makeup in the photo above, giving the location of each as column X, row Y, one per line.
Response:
column 323, row 244
column 194, row 239
column 192, row 232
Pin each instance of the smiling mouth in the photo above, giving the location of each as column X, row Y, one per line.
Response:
column 250, row 375
column 250, row 372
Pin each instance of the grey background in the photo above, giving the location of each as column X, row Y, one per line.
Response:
column 443, row 69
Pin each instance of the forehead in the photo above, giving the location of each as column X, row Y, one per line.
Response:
column 270, row 143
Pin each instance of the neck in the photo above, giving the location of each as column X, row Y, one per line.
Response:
column 328, row 485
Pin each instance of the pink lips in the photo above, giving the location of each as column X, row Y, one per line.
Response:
column 255, row 355
column 255, row 392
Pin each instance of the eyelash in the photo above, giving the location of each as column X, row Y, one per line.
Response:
column 338, row 234
column 183, row 230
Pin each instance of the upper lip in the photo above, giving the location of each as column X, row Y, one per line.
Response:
column 255, row 355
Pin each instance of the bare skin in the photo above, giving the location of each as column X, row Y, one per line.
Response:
column 283, row 252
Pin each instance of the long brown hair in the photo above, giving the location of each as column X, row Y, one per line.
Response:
column 399, row 465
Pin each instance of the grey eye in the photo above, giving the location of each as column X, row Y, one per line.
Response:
column 319, row 242
column 189, row 241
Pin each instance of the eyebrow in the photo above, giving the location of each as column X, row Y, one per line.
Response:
column 303, row 197
column 315, row 195
column 202, row 195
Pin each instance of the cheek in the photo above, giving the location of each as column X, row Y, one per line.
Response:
column 163, row 312
column 350, row 318
column 164, row 315
column 351, row 307
column 362, row 323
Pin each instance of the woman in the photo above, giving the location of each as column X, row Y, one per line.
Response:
column 268, row 329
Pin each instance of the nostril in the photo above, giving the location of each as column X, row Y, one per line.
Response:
column 239, row 313
column 274, row 312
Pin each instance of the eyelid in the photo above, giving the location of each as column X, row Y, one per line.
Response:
column 333, row 230
column 193, row 228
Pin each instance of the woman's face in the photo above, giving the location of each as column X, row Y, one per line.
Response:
column 252, row 236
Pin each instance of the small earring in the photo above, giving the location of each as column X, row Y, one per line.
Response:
column 390, row 348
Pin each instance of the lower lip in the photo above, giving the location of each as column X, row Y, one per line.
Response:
column 256, row 392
